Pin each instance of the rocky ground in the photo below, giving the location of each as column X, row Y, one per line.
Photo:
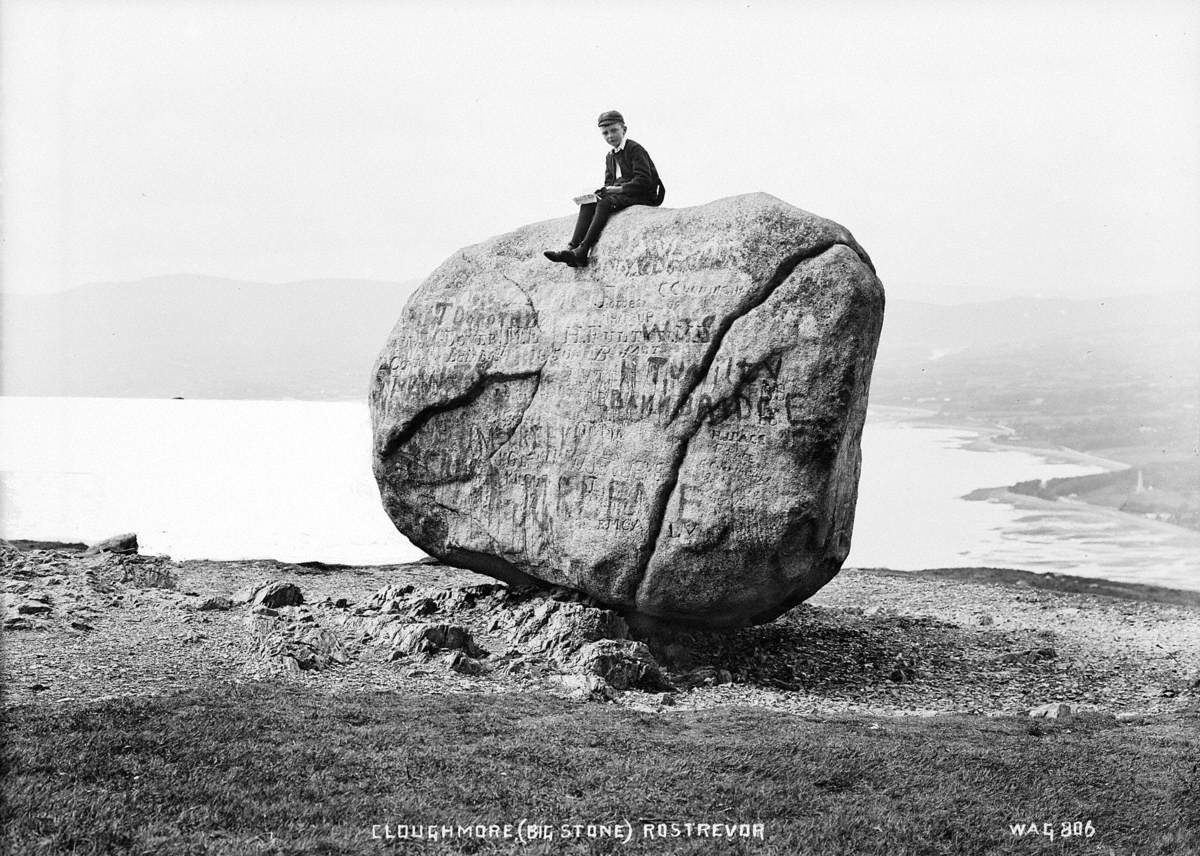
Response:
column 79, row 628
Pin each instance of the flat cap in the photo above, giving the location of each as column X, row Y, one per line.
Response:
column 610, row 116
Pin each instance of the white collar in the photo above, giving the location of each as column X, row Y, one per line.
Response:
column 621, row 148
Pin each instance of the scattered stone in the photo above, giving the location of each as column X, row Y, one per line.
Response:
column 122, row 545
column 422, row 606
column 1095, row 716
column 903, row 671
column 341, row 603
column 265, row 611
column 823, row 657
column 34, row 606
column 81, row 626
column 1031, row 655
column 464, row 665
column 985, row 620
column 706, row 676
column 10, row 554
column 307, row 646
column 37, row 688
column 704, row 521
column 468, row 597
column 146, row 572
column 430, row 638
column 278, row 594
column 246, row 593
column 1053, row 710
column 389, row 599
column 558, row 629
column 624, row 664
column 218, row 603
column 588, row 688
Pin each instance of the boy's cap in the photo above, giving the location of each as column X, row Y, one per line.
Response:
column 610, row 116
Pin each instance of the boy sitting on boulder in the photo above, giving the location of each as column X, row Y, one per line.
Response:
column 630, row 178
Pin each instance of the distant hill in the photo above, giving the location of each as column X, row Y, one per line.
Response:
column 1085, row 373
column 1143, row 329
column 199, row 337
column 1089, row 374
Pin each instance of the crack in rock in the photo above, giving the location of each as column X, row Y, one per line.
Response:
column 752, row 301
column 537, row 384
column 749, row 374
column 397, row 437
column 658, row 508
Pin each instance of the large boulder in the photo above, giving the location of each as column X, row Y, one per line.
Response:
column 673, row 430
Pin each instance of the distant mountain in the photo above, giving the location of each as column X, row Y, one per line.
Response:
column 1128, row 327
column 1099, row 372
column 199, row 337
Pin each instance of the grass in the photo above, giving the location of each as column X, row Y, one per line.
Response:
column 275, row 769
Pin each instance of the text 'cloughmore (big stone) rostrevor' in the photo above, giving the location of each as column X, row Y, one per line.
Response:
column 673, row 430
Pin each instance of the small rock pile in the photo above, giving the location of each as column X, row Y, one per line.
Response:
column 584, row 640
column 475, row 630
column 286, row 633
column 48, row 589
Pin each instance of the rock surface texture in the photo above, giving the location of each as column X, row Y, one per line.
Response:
column 673, row 430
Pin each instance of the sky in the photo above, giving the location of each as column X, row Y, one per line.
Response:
column 977, row 150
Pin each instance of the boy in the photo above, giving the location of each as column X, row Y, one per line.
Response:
column 630, row 178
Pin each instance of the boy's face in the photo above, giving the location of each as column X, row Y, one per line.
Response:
column 614, row 133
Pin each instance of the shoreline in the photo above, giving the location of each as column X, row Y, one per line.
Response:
column 991, row 435
column 1051, row 454
column 1025, row 502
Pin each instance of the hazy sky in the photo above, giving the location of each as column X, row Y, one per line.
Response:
column 975, row 149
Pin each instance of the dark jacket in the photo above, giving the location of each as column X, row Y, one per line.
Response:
column 639, row 178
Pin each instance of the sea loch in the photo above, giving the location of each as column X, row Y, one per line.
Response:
column 292, row 480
